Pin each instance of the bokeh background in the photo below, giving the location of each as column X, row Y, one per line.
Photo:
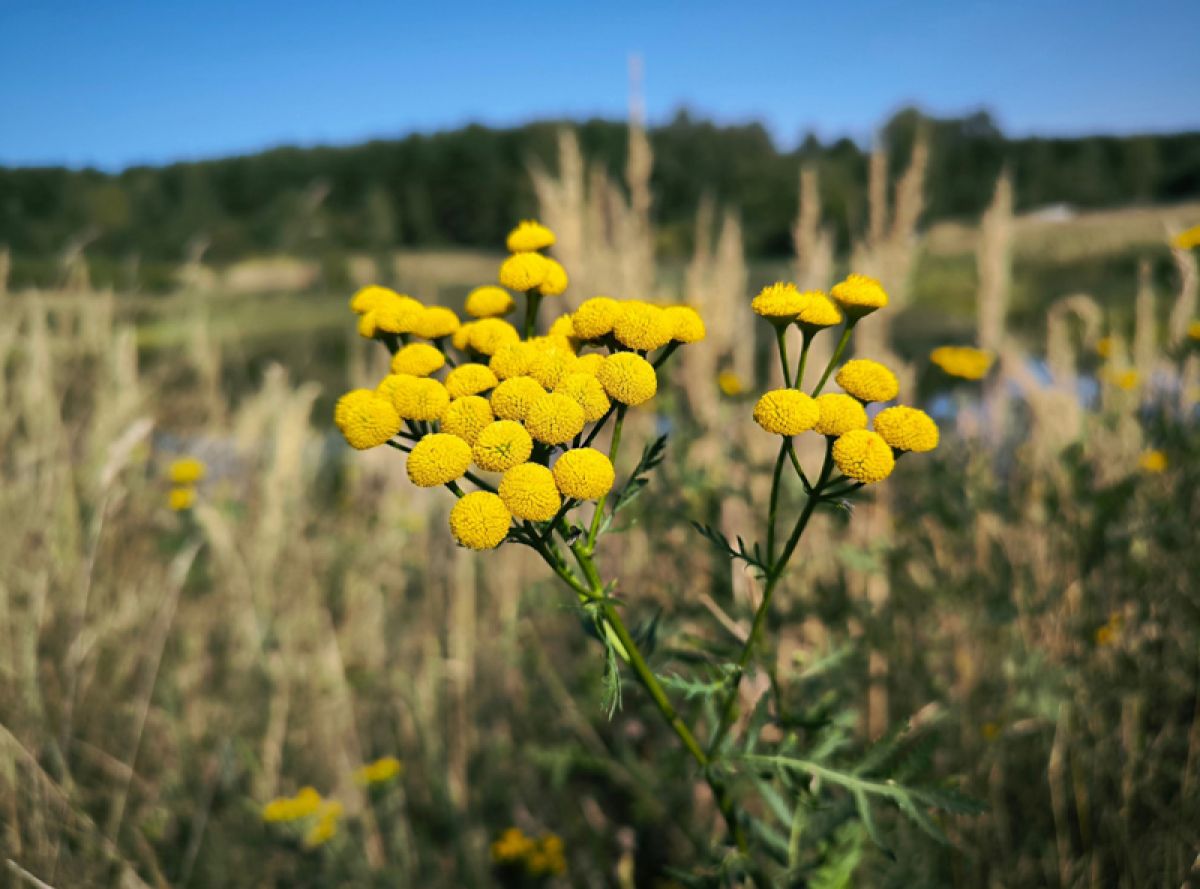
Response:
column 189, row 193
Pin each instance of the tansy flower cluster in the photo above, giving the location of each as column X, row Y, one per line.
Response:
column 465, row 399
column 540, row 857
column 184, row 474
column 318, row 817
column 963, row 362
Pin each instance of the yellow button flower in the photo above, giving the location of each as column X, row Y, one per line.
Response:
column 907, row 429
column 868, row 380
column 585, row 389
column 388, row 312
column 1186, row 240
column 594, row 317
column 1104, row 348
column 779, row 302
column 863, row 455
column 589, row 363
column 418, row 360
column 181, row 499
column 1153, row 461
column 467, row 417
column 470, row 379
column 628, row 378
column 512, row 399
column 819, row 311
column 491, row 334
column 786, row 412
column 529, row 235
column 480, row 520
column 438, row 459
column 512, row 846
column 461, row 338
column 501, row 446
column 366, row 418
column 555, row 281
column 529, row 492
column 489, row 301
column 640, row 325
column 562, row 326
column 584, row 474
column 416, row 398
column 1193, row 330
column 524, row 271
column 839, row 414
column 730, row 383
column 859, row 295
column 512, row 360
column 186, row 471
column 1125, row 380
column 367, row 298
column 292, row 808
column 686, row 324
column 380, row 771
column 550, row 361
column 968, row 363
column 435, row 322
column 554, row 418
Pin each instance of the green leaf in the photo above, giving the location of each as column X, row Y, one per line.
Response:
column 752, row 557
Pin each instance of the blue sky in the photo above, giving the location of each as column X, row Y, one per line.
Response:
column 117, row 83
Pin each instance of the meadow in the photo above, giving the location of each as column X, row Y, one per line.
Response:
column 1017, row 613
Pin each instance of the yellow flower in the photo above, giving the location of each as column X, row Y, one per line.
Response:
column 529, row 235
column 181, row 499
column 863, row 455
column 594, row 317
column 839, row 414
column 367, row 298
column 501, row 446
column 379, row 772
column 868, row 380
column 1105, row 346
column 186, row 471
column 786, row 412
column 489, row 301
column 461, row 338
column 585, row 389
column 513, row 359
column 859, row 295
column 292, row 808
column 524, row 271
column 512, row 846
column 416, row 398
column 547, row 858
column 512, row 399
column 480, row 520
column 628, row 378
column 555, row 281
column 907, row 429
column 1106, row 635
column 962, row 361
column 584, row 474
column 990, row 731
column 491, row 334
column 1186, row 240
column 1193, row 330
column 562, row 326
column 529, row 492
column 1152, row 461
column 438, row 459
column 640, row 325
column 779, row 302
column 550, row 361
column 435, row 322
column 418, row 360
column 366, row 418
column 686, row 324
column 326, row 827
column 730, row 383
column 390, row 312
column 554, row 418
column 1125, row 380
column 470, row 379
column 589, row 363
column 819, row 311
column 466, row 417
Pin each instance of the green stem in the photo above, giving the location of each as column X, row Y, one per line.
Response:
column 665, row 354
column 478, row 482
column 612, row 456
column 398, row 446
column 773, row 509
column 837, row 354
column 599, row 425
column 791, row 447
column 781, row 342
column 533, row 299
column 800, row 365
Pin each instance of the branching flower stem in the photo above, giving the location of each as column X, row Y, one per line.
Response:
column 837, row 356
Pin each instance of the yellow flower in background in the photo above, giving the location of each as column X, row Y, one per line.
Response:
column 418, row 360
column 186, row 471
column 501, row 446
column 366, row 418
column 1104, row 346
column 907, row 429
column 643, row 326
column 859, row 295
column 380, row 771
column 416, row 398
column 480, row 520
column 438, row 459
column 524, row 271
column 491, row 334
column 1187, row 240
column 868, row 380
column 467, row 417
column 839, row 414
column 555, row 280
column 326, row 827
column 529, row 235
column 470, row 379
column 628, row 378
column 292, row 808
column 686, row 324
column 546, row 858
column 962, row 361
column 512, row 846
column 786, row 412
column 587, row 391
column 863, row 455
column 595, row 317
column 779, row 302
column 488, row 302
column 512, row 399
column 1125, row 380
column 1193, row 330
column 1152, row 461
column 730, row 383
column 180, row 499
column 435, row 322
column 818, row 311
column 555, row 418
column 530, row 493
column 584, row 474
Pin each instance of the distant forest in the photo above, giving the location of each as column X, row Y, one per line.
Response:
column 466, row 187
